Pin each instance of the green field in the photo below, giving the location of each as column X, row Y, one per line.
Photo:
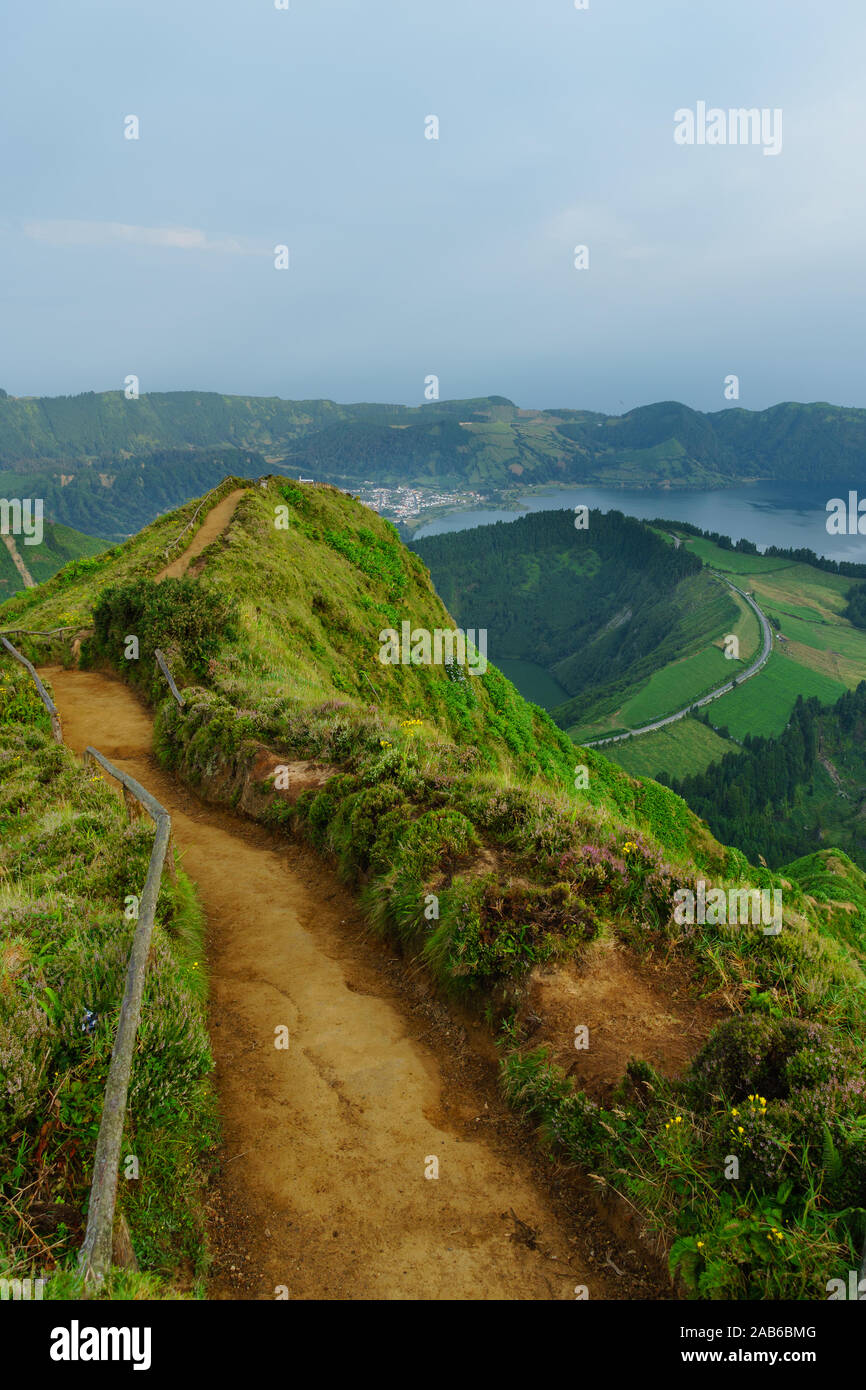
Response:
column 824, row 594
column 680, row 749
column 732, row 561
column 808, row 604
column 676, row 685
column 763, row 704
column 824, row 636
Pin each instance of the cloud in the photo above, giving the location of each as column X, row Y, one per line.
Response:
column 78, row 233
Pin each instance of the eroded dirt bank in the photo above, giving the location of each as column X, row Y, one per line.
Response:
column 322, row 1187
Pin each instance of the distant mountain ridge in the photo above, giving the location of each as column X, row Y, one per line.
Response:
column 486, row 442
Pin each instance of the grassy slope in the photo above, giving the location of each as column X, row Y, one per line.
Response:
column 763, row 704
column 68, row 597
column 68, row 859
column 58, row 547
column 700, row 666
column 839, row 886
column 462, row 791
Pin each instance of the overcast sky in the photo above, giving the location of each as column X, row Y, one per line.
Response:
column 411, row 256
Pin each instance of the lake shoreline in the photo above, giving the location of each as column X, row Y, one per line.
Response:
column 791, row 516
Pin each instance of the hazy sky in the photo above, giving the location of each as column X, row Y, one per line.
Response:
column 411, row 256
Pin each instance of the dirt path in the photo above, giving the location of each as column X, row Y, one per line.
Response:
column 29, row 581
column 322, row 1187
column 213, row 525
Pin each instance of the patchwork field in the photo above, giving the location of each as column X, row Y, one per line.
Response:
column 816, row 652
column 763, row 704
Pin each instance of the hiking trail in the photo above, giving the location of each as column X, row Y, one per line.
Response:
column 322, row 1185
column 213, row 526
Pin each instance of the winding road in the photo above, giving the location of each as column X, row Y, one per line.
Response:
column 757, row 664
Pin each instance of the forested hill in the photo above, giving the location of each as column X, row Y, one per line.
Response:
column 784, row 797
column 486, row 442
column 598, row 609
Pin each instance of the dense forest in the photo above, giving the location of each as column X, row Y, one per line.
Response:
column 599, row 609
column 113, row 499
column 781, row 798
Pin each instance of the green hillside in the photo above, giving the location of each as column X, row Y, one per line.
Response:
column 59, row 546
column 424, row 784
column 624, row 623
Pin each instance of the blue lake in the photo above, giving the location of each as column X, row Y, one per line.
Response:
column 784, row 514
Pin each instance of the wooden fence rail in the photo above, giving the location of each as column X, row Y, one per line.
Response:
column 163, row 666
column 95, row 1257
column 43, row 693
column 40, row 632
column 96, row 1250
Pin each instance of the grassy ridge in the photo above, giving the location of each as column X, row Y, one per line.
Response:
column 68, row 597
column 457, row 797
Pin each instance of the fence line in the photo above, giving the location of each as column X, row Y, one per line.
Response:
column 38, row 632
column 171, row 545
column 96, row 1250
column 43, row 693
column 95, row 1257
column 163, row 666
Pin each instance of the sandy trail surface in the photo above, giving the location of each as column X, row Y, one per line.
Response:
column 322, row 1188
column 213, row 525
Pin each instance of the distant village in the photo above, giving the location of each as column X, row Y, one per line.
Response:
column 403, row 503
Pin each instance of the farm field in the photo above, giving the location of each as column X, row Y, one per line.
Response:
column 825, row 653
column 732, row 561
column 676, row 684
column 680, row 749
column 763, row 704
